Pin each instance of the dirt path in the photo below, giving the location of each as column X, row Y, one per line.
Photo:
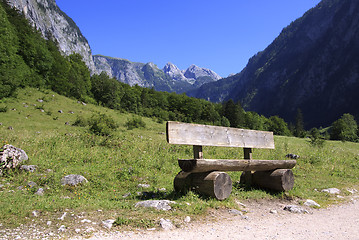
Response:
column 336, row 222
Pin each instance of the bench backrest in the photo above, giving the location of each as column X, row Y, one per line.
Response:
column 206, row 135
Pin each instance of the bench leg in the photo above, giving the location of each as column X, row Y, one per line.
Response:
column 278, row 180
column 214, row 184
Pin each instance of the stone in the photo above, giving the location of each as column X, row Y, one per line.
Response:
column 11, row 157
column 28, row 168
column 48, row 223
column 62, row 218
column 311, row 203
column 273, row 211
column 295, row 209
column 143, row 185
column 40, row 192
column 31, row 184
column 62, row 228
column 35, row 213
column 235, row 212
column 166, row 224
column 187, row 219
column 86, row 221
column 73, row 180
column 108, row 223
column 331, row 190
column 158, row 204
column 60, row 111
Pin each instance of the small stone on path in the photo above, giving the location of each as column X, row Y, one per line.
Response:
column 331, row 190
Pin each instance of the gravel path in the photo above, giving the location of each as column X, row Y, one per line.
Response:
column 336, row 222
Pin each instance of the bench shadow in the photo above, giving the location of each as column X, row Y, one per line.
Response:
column 275, row 193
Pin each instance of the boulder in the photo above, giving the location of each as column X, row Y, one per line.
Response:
column 295, row 209
column 331, row 190
column 158, row 204
column 28, row 168
column 11, row 157
column 166, row 224
column 73, row 180
column 311, row 203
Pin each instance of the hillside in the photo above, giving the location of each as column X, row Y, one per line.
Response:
column 43, row 124
column 312, row 65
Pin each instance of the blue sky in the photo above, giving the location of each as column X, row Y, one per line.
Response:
column 219, row 35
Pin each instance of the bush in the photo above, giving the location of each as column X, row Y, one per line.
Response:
column 135, row 122
column 81, row 122
column 101, row 124
column 315, row 138
column 344, row 129
column 3, row 108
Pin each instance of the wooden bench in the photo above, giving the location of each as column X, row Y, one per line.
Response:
column 208, row 176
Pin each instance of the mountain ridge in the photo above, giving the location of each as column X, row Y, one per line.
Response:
column 170, row 78
column 312, row 65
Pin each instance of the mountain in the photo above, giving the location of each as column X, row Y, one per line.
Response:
column 312, row 65
column 48, row 18
column 170, row 78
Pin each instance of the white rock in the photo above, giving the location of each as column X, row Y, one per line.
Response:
column 187, row 219
column 63, row 216
column 62, row 228
column 273, row 211
column 295, row 209
column 48, row 223
column 86, row 221
column 166, row 224
column 35, row 213
column 108, row 223
column 77, row 230
column 158, row 204
column 311, row 203
column 331, row 190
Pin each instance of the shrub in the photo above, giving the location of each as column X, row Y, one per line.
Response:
column 81, row 122
column 101, row 124
column 344, row 129
column 3, row 108
column 315, row 138
column 135, row 122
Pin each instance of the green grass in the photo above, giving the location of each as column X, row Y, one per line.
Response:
column 116, row 164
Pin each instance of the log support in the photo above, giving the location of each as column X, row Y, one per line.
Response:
column 278, row 180
column 213, row 184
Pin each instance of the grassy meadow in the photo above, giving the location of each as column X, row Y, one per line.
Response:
column 116, row 165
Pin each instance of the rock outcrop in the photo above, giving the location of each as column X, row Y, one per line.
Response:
column 48, row 18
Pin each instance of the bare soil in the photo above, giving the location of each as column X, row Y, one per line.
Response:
column 336, row 222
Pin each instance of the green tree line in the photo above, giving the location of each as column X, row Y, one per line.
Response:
column 27, row 59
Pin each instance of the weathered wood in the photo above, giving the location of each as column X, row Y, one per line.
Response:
column 248, row 156
column 197, row 152
column 214, row 184
column 278, row 180
column 182, row 182
column 205, row 135
column 207, row 165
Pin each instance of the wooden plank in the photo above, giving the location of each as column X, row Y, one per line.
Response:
column 206, row 135
column 207, row 165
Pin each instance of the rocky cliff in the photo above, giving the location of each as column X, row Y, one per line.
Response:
column 312, row 65
column 170, row 78
column 47, row 17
